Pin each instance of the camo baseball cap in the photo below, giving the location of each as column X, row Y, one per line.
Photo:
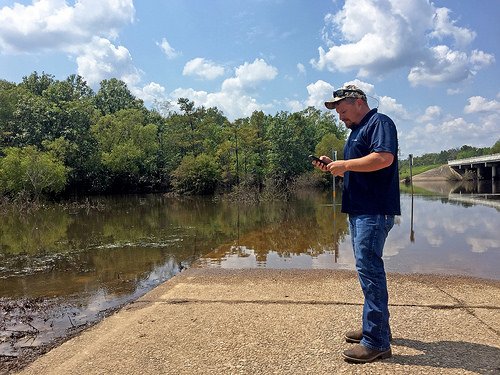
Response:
column 348, row 91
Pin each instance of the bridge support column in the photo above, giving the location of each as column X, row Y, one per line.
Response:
column 480, row 173
column 493, row 172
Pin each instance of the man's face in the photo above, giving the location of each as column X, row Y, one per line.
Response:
column 349, row 112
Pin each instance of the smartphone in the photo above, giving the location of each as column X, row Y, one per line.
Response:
column 312, row 157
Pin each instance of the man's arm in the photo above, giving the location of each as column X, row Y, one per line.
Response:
column 369, row 163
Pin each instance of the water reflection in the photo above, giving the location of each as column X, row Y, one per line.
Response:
column 436, row 233
column 484, row 192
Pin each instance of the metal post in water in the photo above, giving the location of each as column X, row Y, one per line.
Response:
column 412, row 233
column 334, row 157
column 411, row 173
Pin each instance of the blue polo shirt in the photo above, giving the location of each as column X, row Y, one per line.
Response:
column 372, row 192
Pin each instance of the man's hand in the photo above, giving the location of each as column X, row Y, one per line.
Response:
column 338, row 168
column 369, row 163
column 321, row 166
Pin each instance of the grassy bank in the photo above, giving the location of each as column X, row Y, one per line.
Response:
column 404, row 172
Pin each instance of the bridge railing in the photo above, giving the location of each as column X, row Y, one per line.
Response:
column 493, row 158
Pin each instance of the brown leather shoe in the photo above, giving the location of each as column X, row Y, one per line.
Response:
column 362, row 354
column 356, row 336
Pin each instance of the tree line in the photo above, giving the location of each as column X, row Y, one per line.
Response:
column 60, row 136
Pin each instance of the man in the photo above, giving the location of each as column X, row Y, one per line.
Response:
column 370, row 196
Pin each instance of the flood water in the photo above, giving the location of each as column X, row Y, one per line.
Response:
column 108, row 251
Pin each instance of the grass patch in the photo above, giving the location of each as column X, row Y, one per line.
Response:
column 404, row 173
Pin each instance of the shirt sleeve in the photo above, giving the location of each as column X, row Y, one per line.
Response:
column 383, row 135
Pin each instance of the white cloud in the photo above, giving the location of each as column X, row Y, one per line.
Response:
column 83, row 30
column 390, row 107
column 301, row 68
column 435, row 130
column 374, row 39
column 151, row 92
column 100, row 60
column 458, row 126
column 479, row 59
column 254, row 73
column 235, row 98
column 491, row 125
column 248, row 76
column 432, row 113
column 480, row 104
column 203, row 68
column 444, row 27
column 198, row 97
column 167, row 49
column 446, row 132
column 294, row 105
column 53, row 25
column 319, row 92
column 378, row 37
column 445, row 66
column 454, row 91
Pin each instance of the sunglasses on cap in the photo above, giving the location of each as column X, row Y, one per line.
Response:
column 340, row 93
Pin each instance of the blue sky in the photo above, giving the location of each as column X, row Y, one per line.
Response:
column 432, row 66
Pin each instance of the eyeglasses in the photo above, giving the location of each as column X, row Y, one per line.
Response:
column 340, row 93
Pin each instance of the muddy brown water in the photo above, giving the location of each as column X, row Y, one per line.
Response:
column 63, row 267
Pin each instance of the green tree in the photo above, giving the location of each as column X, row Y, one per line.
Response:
column 61, row 110
column 470, row 151
column 31, row 171
column 36, row 84
column 328, row 144
column 128, row 147
column 197, row 125
column 226, row 155
column 234, row 130
column 210, row 128
column 114, row 96
column 9, row 97
column 192, row 132
column 196, row 175
column 324, row 123
column 64, row 109
column 260, row 145
column 253, row 149
column 292, row 139
column 496, row 147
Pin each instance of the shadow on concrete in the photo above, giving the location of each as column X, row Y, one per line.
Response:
column 477, row 358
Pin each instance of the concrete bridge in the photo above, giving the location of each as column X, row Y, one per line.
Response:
column 483, row 167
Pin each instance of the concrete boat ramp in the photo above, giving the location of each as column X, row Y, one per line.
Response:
column 264, row 321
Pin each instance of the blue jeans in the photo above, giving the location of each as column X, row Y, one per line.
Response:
column 368, row 234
